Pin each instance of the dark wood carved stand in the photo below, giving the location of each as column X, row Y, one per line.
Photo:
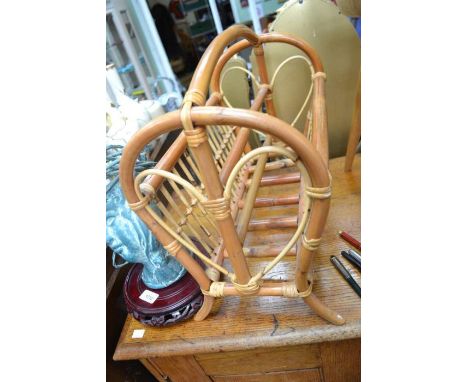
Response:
column 175, row 303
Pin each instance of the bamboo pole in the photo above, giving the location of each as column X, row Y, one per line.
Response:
column 273, row 223
column 239, row 194
column 244, row 218
column 274, row 180
column 265, row 290
column 243, row 223
column 271, row 202
column 266, row 251
column 241, row 140
column 214, row 190
column 319, row 119
column 221, row 254
column 276, row 165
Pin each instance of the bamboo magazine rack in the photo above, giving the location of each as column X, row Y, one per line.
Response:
column 199, row 198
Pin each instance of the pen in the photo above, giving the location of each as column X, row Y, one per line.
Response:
column 351, row 240
column 346, row 275
column 353, row 257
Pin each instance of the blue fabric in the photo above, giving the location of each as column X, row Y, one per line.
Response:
column 356, row 21
column 129, row 238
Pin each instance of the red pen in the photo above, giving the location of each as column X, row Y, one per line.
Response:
column 351, row 240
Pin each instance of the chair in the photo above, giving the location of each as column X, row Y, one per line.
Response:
column 335, row 40
column 199, row 199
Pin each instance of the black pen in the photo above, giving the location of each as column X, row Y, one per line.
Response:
column 346, row 275
column 353, row 257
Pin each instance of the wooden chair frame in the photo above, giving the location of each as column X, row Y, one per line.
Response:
column 220, row 176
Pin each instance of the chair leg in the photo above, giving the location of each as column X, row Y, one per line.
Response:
column 355, row 132
column 323, row 311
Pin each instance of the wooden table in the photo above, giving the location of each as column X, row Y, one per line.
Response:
column 260, row 339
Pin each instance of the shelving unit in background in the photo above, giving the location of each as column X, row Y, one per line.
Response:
column 251, row 11
column 124, row 50
column 200, row 25
column 134, row 46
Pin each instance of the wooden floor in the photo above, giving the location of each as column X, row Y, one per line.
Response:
column 242, row 323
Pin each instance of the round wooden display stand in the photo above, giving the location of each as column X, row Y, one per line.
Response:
column 174, row 303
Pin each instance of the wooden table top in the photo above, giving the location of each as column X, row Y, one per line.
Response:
column 238, row 323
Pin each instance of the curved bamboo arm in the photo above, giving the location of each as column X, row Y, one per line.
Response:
column 318, row 107
column 264, row 38
column 214, row 115
column 130, row 153
column 198, row 88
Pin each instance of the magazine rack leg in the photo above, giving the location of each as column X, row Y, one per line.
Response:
column 323, row 311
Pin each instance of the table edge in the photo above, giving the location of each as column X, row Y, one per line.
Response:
column 324, row 333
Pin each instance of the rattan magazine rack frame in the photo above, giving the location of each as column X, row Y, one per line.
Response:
column 199, row 198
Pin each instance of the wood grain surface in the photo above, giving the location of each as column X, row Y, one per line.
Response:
column 261, row 360
column 289, row 376
column 336, row 354
column 337, row 361
column 240, row 323
column 179, row 369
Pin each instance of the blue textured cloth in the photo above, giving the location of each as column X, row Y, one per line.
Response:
column 129, row 238
column 356, row 21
